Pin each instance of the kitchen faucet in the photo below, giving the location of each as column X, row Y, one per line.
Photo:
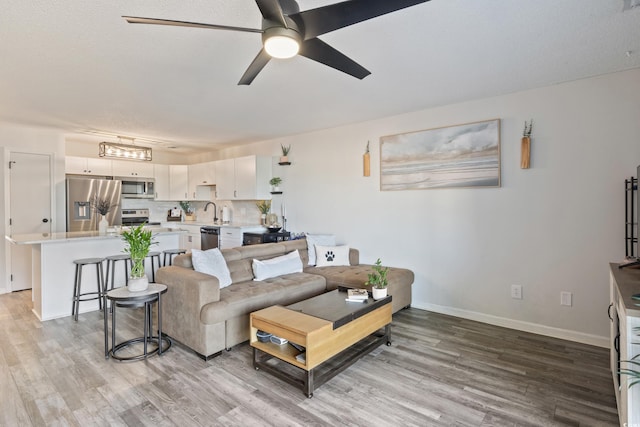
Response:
column 215, row 211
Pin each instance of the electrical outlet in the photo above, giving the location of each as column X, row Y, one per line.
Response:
column 516, row 291
column 566, row 298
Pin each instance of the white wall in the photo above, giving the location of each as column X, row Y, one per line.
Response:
column 551, row 228
column 30, row 140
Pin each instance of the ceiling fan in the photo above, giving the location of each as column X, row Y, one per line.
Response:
column 287, row 32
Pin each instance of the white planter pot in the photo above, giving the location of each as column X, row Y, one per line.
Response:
column 138, row 284
column 379, row 293
column 102, row 225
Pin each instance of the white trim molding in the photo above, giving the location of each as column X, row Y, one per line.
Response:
column 519, row 325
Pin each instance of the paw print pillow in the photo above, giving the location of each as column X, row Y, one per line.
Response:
column 327, row 256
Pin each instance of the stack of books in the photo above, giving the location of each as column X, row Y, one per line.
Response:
column 357, row 295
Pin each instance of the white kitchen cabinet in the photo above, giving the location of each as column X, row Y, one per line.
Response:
column 179, row 182
column 191, row 239
column 161, row 177
column 243, row 178
column 201, row 177
column 126, row 168
column 230, row 237
column 88, row 166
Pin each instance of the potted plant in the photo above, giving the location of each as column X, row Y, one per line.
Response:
column 378, row 280
column 285, row 154
column 102, row 207
column 189, row 211
column 139, row 241
column 275, row 183
column 264, row 206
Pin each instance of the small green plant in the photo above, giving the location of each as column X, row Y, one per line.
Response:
column 285, row 150
column 102, row 206
column 528, row 127
column 378, row 277
column 275, row 181
column 139, row 241
column 186, row 207
column 264, row 206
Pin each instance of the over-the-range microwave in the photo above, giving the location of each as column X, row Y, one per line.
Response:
column 138, row 188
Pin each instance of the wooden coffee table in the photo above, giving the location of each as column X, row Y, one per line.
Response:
column 326, row 326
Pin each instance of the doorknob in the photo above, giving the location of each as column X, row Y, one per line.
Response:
column 45, row 220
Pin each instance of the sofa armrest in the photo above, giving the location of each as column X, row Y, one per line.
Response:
column 354, row 256
column 188, row 289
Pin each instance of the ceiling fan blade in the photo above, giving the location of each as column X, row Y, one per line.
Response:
column 321, row 52
column 272, row 11
column 335, row 16
column 255, row 67
column 153, row 21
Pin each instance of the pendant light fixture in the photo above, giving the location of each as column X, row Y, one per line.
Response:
column 124, row 151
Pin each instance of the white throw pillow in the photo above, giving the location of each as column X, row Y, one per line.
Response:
column 274, row 267
column 327, row 256
column 211, row 262
column 318, row 239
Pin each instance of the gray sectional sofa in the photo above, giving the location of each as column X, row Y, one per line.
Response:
column 207, row 319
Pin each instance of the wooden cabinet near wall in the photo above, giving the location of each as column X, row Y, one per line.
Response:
column 87, row 166
column 243, row 178
column 131, row 168
column 625, row 341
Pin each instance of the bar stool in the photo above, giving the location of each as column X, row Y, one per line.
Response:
column 78, row 295
column 153, row 255
column 111, row 262
column 171, row 253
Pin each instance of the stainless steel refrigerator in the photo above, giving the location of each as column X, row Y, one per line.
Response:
column 81, row 192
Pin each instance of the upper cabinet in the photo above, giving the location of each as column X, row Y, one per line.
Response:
column 243, row 178
column 87, row 166
column 179, row 182
column 201, row 177
column 161, row 178
column 138, row 169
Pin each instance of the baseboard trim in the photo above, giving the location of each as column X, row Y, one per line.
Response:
column 518, row 325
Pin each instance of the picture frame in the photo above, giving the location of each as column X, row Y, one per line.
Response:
column 458, row 156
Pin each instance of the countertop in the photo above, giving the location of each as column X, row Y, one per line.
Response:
column 628, row 281
column 38, row 238
column 241, row 225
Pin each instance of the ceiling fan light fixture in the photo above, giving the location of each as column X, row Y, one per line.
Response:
column 281, row 47
column 281, row 43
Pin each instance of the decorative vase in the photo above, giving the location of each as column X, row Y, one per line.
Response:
column 284, row 159
column 379, row 293
column 102, row 225
column 138, row 284
column 263, row 219
column 275, row 189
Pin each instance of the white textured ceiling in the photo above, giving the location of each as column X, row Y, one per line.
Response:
column 77, row 65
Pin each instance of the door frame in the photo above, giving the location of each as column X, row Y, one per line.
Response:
column 7, row 203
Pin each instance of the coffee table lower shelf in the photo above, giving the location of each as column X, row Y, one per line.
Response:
column 294, row 372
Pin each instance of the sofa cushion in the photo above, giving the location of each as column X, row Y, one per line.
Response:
column 273, row 267
column 332, row 256
column 246, row 297
column 318, row 239
column 211, row 262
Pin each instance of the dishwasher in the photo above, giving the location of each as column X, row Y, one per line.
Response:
column 209, row 237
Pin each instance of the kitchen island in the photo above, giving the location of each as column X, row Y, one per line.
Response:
column 53, row 270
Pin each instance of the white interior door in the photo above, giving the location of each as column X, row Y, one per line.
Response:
column 29, row 209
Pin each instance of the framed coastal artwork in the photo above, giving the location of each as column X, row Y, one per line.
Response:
column 455, row 156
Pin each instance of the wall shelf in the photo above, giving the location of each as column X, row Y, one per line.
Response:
column 284, row 163
column 276, row 192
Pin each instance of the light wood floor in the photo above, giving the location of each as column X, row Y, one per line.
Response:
column 440, row 370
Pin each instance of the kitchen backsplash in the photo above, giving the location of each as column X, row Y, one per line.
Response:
column 242, row 211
